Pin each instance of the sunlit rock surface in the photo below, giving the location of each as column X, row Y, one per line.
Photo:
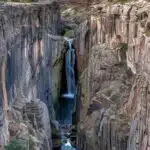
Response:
column 114, row 108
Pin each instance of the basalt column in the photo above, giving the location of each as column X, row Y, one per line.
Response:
column 27, row 56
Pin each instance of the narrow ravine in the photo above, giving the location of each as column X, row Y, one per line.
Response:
column 67, row 99
column 75, row 75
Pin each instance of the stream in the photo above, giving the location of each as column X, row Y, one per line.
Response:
column 68, row 99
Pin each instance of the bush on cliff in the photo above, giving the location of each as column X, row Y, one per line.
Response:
column 15, row 144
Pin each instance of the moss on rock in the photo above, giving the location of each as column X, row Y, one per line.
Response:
column 69, row 33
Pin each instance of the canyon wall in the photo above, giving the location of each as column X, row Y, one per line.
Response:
column 30, row 58
column 114, row 109
column 82, row 45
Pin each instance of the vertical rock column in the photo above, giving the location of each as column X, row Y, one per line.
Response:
column 26, row 62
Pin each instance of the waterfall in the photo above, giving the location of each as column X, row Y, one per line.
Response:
column 70, row 73
column 67, row 146
column 66, row 111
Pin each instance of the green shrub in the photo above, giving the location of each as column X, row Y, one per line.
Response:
column 69, row 34
column 15, row 144
column 124, row 46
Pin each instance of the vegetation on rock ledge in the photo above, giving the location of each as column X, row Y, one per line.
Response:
column 20, row 144
column 15, row 144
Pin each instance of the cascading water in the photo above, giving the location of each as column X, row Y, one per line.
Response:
column 68, row 98
column 70, row 73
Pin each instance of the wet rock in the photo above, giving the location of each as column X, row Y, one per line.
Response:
column 56, row 134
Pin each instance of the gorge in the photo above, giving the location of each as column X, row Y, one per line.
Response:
column 75, row 73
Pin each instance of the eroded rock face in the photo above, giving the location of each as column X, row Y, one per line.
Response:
column 117, row 105
column 110, row 86
column 29, row 50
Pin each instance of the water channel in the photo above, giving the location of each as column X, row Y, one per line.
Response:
column 68, row 98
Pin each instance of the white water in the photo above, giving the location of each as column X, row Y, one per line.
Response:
column 69, row 96
column 70, row 74
column 67, row 146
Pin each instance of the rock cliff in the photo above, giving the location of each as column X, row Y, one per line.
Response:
column 30, row 57
column 114, row 87
column 112, row 52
